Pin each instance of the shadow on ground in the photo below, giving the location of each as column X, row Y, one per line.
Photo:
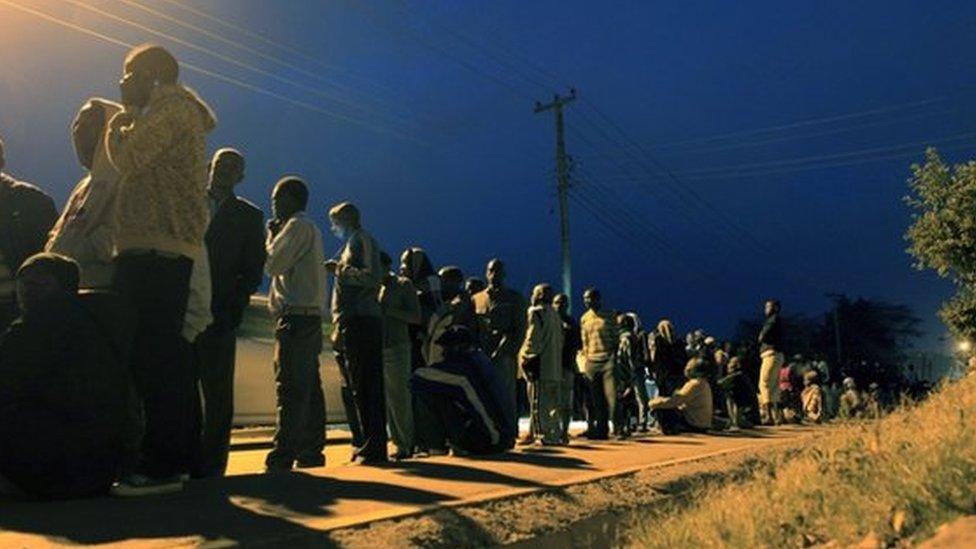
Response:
column 234, row 509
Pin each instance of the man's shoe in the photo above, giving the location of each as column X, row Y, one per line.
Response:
column 375, row 460
column 141, row 485
column 310, row 463
column 401, row 455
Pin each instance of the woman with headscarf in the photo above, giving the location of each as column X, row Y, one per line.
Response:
column 668, row 358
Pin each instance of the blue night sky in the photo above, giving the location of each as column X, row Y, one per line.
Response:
column 788, row 128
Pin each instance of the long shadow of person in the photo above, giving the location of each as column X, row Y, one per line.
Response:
column 241, row 509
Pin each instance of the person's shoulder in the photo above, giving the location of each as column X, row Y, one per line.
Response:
column 247, row 208
column 23, row 188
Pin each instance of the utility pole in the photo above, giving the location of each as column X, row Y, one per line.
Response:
column 562, row 186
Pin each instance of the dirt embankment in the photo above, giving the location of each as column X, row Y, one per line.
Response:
column 541, row 515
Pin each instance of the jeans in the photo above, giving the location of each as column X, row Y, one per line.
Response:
column 214, row 354
column 399, row 400
column 300, row 432
column 361, row 338
column 158, row 288
column 603, row 389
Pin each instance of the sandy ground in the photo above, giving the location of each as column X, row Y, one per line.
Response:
column 436, row 502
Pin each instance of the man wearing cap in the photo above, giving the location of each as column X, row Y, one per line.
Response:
column 63, row 387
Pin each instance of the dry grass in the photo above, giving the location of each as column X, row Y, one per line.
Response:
column 898, row 479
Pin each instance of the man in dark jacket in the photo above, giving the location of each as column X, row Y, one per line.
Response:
column 26, row 216
column 573, row 380
column 235, row 244
column 63, row 387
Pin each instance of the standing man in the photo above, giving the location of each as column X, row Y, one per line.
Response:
column 503, row 315
column 158, row 146
column 598, row 329
column 235, row 248
column 357, row 316
column 571, row 345
column 401, row 309
column 26, row 216
column 541, row 361
column 771, row 352
column 297, row 302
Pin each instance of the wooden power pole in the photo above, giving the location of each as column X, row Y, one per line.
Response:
column 562, row 186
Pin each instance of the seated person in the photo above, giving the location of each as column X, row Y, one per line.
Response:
column 689, row 409
column 851, row 402
column 63, row 388
column 740, row 396
column 812, row 397
column 465, row 394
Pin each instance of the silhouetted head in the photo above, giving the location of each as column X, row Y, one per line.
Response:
column 415, row 265
column 474, row 285
column 772, row 307
column 626, row 323
column 666, row 330
column 495, row 273
column 386, row 261
column 811, row 378
column 344, row 218
column 43, row 277
column 695, row 368
column 561, row 303
column 592, row 299
column 87, row 130
column 290, row 196
column 226, row 171
column 146, row 67
column 452, row 280
column 542, row 294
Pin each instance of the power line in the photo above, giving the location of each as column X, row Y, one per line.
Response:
column 258, row 52
column 805, row 123
column 228, row 59
column 193, row 68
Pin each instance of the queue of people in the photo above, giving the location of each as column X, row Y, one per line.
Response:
column 120, row 318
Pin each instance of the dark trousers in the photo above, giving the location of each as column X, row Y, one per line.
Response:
column 158, row 288
column 348, row 400
column 672, row 422
column 604, row 403
column 361, row 338
column 300, row 432
column 8, row 313
column 214, row 352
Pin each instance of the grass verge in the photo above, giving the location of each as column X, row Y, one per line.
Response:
column 896, row 479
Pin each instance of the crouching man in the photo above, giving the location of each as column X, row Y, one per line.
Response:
column 63, row 387
column 689, row 409
column 467, row 395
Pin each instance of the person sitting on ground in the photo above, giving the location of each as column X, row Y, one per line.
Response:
column 466, row 394
column 740, row 396
column 63, row 388
column 689, row 409
column 812, row 397
column 851, row 402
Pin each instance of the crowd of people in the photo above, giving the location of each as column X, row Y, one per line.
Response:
column 120, row 317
